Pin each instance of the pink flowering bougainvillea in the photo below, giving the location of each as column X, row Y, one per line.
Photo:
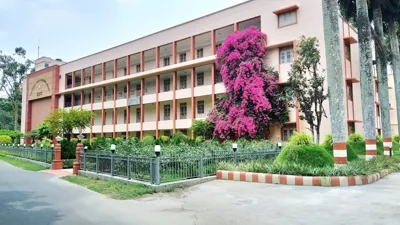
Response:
column 251, row 91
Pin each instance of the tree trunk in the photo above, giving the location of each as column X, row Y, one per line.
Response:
column 366, row 77
column 318, row 135
column 16, row 115
column 381, row 66
column 394, row 45
column 335, row 80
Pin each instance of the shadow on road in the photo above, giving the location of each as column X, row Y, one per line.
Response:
column 21, row 207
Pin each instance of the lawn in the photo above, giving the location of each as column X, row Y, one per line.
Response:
column 22, row 164
column 113, row 189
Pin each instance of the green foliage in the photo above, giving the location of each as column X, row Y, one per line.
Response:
column 63, row 122
column 202, row 128
column 199, row 139
column 3, row 153
column 14, row 134
column 164, row 139
column 68, row 149
column 5, row 139
column 68, row 163
column 101, row 144
column 46, row 143
column 354, row 168
column 356, row 138
column 308, row 155
column 327, row 144
column 179, row 138
column 43, row 131
column 301, row 139
column 23, row 164
column 379, row 145
column 118, row 141
column 148, row 140
column 395, row 143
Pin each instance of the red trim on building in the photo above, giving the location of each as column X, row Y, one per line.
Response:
column 115, row 116
column 174, row 52
column 286, row 9
column 157, row 105
column 193, row 99
column 128, row 108
column 213, row 85
column 142, row 109
column 174, row 101
column 193, row 47
column 157, row 49
column 103, row 116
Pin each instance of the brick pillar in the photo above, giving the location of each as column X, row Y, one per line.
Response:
column 387, row 145
column 370, row 146
column 77, row 163
column 57, row 162
column 340, row 153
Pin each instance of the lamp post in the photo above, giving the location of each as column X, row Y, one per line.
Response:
column 113, row 147
column 32, row 145
column 41, row 146
column 280, row 146
column 84, row 157
column 79, row 148
column 57, row 162
column 52, row 147
column 156, row 168
column 234, row 148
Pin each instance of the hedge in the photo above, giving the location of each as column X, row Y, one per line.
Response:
column 308, row 155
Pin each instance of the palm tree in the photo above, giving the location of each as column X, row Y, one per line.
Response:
column 381, row 65
column 335, row 80
column 366, row 77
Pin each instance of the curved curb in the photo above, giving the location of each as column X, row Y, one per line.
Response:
column 334, row 181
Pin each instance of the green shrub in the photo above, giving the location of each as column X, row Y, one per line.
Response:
column 134, row 139
column 327, row 144
column 356, row 138
column 379, row 145
column 309, row 155
column 164, row 139
column 118, row 140
column 6, row 140
column 3, row 153
column 178, row 138
column 46, row 143
column 202, row 128
column 148, row 140
column 68, row 149
column 14, row 134
column 74, row 140
column 100, row 144
column 86, row 143
column 351, row 154
column 199, row 139
column 68, row 163
column 301, row 139
column 395, row 143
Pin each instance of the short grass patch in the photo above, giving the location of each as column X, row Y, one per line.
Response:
column 22, row 164
column 113, row 189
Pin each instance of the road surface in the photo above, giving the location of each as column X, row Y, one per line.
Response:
column 39, row 199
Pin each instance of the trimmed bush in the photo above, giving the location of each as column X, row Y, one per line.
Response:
column 178, row 138
column 6, row 140
column 301, row 139
column 356, row 138
column 308, row 155
column 46, row 143
column 68, row 149
column 379, row 145
column 164, row 139
column 14, row 134
column 148, row 140
column 199, row 139
column 395, row 143
column 327, row 144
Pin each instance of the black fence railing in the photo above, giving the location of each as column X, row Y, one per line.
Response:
column 164, row 169
column 40, row 155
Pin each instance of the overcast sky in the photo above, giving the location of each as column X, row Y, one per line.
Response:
column 71, row 29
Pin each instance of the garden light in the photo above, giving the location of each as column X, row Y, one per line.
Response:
column 157, row 150
column 58, row 139
column 113, row 147
column 80, row 137
column 33, row 145
column 85, row 149
column 41, row 146
column 24, row 145
column 279, row 145
column 234, row 147
column 52, row 146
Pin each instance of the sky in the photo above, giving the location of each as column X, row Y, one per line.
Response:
column 71, row 29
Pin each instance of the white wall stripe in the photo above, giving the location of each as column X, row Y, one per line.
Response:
column 339, row 153
column 358, row 180
column 224, row 175
column 387, row 144
column 291, row 180
column 236, row 176
column 344, row 181
column 275, row 178
column 386, row 152
column 261, row 178
column 307, row 181
column 369, row 179
column 370, row 147
column 249, row 177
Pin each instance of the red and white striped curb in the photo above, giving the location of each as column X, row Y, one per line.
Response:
column 334, row 181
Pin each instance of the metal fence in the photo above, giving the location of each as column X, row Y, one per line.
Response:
column 41, row 155
column 156, row 170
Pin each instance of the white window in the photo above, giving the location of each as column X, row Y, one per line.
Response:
column 183, row 110
column 200, row 52
column 286, row 54
column 288, row 131
column 182, row 57
column 182, row 82
column 287, row 18
column 138, row 115
column 167, row 85
column 200, row 107
column 138, row 69
column 166, row 61
column 167, row 112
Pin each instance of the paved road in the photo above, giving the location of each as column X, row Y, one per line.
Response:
column 40, row 199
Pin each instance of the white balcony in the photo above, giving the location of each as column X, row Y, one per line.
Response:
column 292, row 115
column 165, row 96
column 203, row 90
column 108, row 128
column 96, row 129
column 220, row 88
column 109, row 105
column 165, row 125
column 120, row 127
column 184, row 93
column 97, row 106
column 87, row 107
column 183, row 124
column 134, row 127
column 149, row 98
column 149, row 125
column 121, row 103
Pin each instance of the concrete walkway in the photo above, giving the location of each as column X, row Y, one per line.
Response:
column 58, row 173
column 40, row 198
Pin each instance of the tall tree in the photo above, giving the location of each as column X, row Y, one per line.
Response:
column 252, row 92
column 366, row 77
column 307, row 84
column 330, row 10
column 381, row 67
column 14, row 69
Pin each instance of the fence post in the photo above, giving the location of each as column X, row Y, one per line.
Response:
column 157, row 170
column 112, row 164
column 200, row 166
column 152, row 170
column 97, row 163
column 84, row 161
column 128, row 165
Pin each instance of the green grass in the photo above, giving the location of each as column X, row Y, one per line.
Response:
column 113, row 189
column 22, row 164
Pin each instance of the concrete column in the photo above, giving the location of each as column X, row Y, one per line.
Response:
column 193, row 47
column 213, row 85
column 174, row 102
column 193, row 99
column 73, row 79
column 157, row 57
column 103, row 93
column 103, row 71
column 157, row 105
column 128, row 65
column 91, row 108
column 57, row 162
column 92, row 74
column 77, row 163
column 142, row 108
column 82, row 77
column 174, row 52
column 213, row 42
column 128, row 109
column 142, row 61
column 115, row 110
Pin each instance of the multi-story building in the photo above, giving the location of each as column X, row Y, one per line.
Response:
column 161, row 83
